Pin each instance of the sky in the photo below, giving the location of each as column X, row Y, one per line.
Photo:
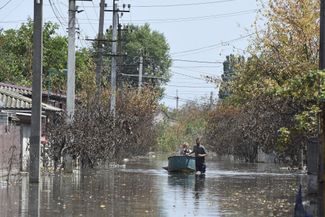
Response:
column 200, row 33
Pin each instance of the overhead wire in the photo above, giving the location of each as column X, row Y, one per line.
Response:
column 202, row 73
column 182, row 5
column 94, row 10
column 91, row 25
column 12, row 10
column 189, row 76
column 178, row 5
column 56, row 15
column 212, row 46
column 5, row 4
column 196, row 61
column 179, row 98
column 58, row 8
column 188, row 19
column 185, row 86
column 196, row 66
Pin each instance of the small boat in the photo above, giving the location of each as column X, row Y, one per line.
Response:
column 181, row 164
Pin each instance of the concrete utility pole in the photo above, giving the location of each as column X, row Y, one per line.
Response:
column 35, row 139
column 321, row 176
column 120, row 56
column 114, row 54
column 177, row 99
column 211, row 99
column 100, row 45
column 320, row 151
column 71, row 60
column 140, row 72
column 71, row 74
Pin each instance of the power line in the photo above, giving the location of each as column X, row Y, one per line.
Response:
column 180, row 99
column 202, row 73
column 182, row 5
column 199, row 66
column 202, row 79
column 58, row 8
column 201, row 93
column 54, row 10
column 94, row 9
column 186, row 19
column 91, row 25
column 176, row 5
column 178, row 73
column 183, row 86
column 212, row 46
column 5, row 4
column 196, row 61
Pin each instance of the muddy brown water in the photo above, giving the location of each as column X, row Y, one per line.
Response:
column 143, row 188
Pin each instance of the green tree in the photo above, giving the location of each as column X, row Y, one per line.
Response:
column 16, row 47
column 229, row 70
column 152, row 45
column 275, row 91
column 186, row 125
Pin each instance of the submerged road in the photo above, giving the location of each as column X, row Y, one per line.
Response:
column 143, row 188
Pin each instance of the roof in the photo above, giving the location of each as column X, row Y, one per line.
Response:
column 26, row 91
column 13, row 100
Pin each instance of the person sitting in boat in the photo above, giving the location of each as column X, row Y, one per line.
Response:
column 200, row 154
column 185, row 151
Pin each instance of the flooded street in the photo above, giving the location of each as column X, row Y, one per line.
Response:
column 143, row 188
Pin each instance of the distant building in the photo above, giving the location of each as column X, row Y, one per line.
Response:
column 162, row 116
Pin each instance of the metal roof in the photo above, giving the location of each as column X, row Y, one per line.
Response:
column 13, row 100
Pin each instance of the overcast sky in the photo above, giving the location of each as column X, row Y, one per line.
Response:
column 197, row 31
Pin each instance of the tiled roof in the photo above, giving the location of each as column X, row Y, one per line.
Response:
column 26, row 91
column 13, row 100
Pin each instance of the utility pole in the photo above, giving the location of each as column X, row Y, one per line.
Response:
column 100, row 46
column 71, row 60
column 321, row 175
column 119, row 51
column 114, row 54
column 71, row 74
column 140, row 71
column 211, row 99
column 115, row 23
column 177, row 99
column 35, row 139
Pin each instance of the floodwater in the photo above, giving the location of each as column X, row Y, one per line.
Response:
column 142, row 188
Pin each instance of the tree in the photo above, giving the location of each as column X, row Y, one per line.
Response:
column 286, row 47
column 229, row 71
column 96, row 136
column 139, row 41
column 185, row 125
column 275, row 91
column 16, row 48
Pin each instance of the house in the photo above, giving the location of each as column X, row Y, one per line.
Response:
column 15, row 125
column 161, row 117
column 50, row 98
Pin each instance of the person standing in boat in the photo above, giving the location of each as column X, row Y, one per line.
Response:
column 200, row 154
column 185, row 151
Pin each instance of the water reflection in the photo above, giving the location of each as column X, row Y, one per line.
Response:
column 144, row 189
column 199, row 187
column 34, row 193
